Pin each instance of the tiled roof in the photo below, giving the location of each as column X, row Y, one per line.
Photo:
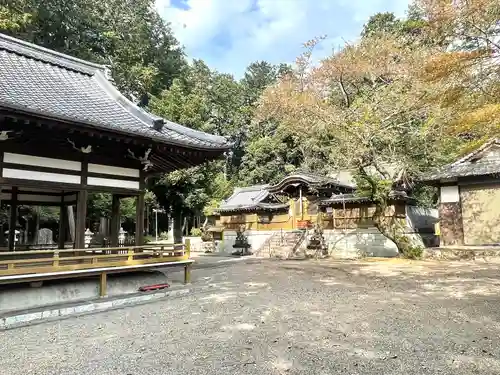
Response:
column 250, row 199
column 484, row 161
column 247, row 197
column 42, row 82
column 309, row 179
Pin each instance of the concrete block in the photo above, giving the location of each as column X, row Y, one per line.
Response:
column 103, row 305
column 84, row 308
column 118, row 302
column 131, row 300
column 22, row 319
column 66, row 311
column 50, row 314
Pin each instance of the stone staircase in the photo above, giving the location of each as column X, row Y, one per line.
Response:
column 282, row 245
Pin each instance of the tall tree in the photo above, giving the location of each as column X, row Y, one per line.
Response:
column 465, row 78
column 380, row 23
column 380, row 130
column 128, row 35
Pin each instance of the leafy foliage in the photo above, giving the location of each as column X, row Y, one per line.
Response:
column 127, row 35
column 391, row 106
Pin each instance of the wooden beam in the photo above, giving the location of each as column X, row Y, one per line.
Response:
column 115, row 220
column 13, row 219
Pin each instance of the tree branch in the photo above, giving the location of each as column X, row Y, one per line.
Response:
column 344, row 92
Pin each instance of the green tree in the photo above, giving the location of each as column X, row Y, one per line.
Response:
column 127, row 35
column 383, row 129
column 380, row 23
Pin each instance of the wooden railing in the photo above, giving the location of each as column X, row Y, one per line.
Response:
column 58, row 261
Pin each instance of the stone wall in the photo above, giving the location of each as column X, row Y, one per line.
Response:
column 256, row 239
column 356, row 243
column 451, row 224
column 368, row 242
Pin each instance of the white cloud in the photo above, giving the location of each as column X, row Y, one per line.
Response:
column 230, row 34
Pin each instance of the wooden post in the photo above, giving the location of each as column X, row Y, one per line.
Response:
column 63, row 217
column 37, row 223
column 139, row 220
column 187, row 248
column 13, row 219
column 55, row 259
column 103, row 285
column 115, row 220
column 187, row 273
column 81, row 215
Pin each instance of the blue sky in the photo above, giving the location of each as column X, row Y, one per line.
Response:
column 230, row 34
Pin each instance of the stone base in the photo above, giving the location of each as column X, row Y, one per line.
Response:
column 462, row 253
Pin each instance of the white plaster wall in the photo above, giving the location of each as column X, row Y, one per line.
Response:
column 350, row 244
column 195, row 243
column 450, row 194
column 255, row 238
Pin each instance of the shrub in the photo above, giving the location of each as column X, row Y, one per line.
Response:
column 196, row 232
column 413, row 252
column 163, row 236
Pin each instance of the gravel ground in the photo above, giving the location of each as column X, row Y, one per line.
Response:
column 288, row 317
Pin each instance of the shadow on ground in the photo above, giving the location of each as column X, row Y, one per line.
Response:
column 287, row 317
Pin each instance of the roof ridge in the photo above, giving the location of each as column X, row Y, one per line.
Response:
column 477, row 151
column 110, row 89
column 47, row 55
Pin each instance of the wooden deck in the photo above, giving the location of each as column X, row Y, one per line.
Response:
column 37, row 265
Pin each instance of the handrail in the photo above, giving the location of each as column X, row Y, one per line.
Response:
column 79, row 259
column 124, row 248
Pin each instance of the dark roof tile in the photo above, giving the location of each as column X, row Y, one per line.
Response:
column 484, row 161
column 43, row 82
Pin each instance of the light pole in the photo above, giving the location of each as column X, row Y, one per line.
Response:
column 156, row 210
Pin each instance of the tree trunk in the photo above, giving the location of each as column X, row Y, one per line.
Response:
column 392, row 229
column 178, row 229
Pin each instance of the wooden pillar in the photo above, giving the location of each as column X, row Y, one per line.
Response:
column 103, row 285
column 2, row 239
column 63, row 219
column 139, row 220
column 13, row 219
column 187, row 273
column 81, row 215
column 115, row 220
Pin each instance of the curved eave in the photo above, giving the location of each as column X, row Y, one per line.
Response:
column 98, row 128
column 253, row 209
column 316, row 183
column 148, row 119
